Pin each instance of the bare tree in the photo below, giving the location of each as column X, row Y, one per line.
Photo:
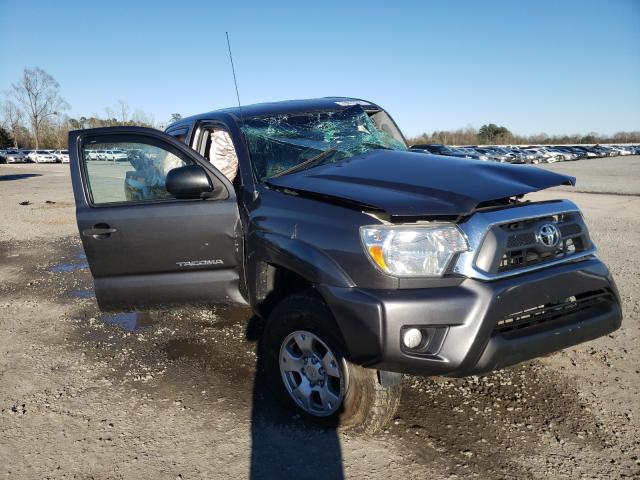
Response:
column 37, row 93
column 124, row 110
column 110, row 116
column 60, row 130
column 12, row 118
column 141, row 118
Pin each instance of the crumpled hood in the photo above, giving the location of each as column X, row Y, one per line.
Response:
column 413, row 184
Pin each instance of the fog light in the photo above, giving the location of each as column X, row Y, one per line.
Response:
column 412, row 337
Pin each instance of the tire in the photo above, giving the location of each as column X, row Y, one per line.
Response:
column 365, row 405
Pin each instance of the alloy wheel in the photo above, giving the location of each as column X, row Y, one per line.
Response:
column 314, row 376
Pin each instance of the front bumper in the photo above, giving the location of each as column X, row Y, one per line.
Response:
column 463, row 320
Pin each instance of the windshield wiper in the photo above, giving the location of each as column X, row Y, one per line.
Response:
column 306, row 164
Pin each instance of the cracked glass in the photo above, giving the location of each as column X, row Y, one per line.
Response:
column 283, row 144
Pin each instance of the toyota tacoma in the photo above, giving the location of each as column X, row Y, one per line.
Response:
column 366, row 259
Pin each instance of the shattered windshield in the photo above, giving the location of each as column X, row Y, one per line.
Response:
column 283, row 144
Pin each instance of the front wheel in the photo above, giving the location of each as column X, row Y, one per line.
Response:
column 306, row 366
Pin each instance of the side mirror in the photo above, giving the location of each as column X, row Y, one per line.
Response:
column 190, row 181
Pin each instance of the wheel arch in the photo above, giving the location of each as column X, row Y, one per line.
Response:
column 279, row 266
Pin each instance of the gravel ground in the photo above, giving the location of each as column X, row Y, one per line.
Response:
column 175, row 395
column 616, row 175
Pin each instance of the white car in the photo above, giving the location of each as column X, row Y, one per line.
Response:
column 544, row 155
column 623, row 150
column 61, row 155
column 103, row 154
column 13, row 156
column 91, row 154
column 561, row 155
column 119, row 156
column 41, row 156
column 113, row 155
column 540, row 156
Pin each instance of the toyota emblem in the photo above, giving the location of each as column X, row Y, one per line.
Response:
column 548, row 235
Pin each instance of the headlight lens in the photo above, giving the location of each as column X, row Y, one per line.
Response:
column 413, row 250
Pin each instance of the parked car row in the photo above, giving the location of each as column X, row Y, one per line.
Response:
column 34, row 156
column 108, row 155
column 533, row 154
column 503, row 153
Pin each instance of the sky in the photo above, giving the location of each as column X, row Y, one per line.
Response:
column 533, row 66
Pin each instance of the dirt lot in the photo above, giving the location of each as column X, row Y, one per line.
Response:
column 175, row 395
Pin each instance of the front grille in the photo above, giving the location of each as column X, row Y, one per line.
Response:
column 514, row 245
column 550, row 314
column 521, row 240
column 524, row 257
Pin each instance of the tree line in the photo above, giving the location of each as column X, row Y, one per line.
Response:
column 492, row 134
column 33, row 115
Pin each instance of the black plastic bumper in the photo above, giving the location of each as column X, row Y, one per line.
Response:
column 464, row 318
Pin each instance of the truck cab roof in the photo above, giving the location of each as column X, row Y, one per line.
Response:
column 281, row 107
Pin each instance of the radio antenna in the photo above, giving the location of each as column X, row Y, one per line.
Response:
column 235, row 82
column 233, row 70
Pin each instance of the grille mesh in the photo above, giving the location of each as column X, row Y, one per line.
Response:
column 521, row 239
column 550, row 313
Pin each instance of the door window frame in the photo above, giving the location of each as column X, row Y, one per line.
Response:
column 158, row 142
column 181, row 131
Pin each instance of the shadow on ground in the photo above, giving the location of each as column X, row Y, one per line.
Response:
column 18, row 176
column 277, row 449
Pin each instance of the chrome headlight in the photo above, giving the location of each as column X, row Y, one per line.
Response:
column 413, row 250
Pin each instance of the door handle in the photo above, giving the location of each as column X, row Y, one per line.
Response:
column 101, row 230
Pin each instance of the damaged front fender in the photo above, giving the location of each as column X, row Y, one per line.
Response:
column 299, row 257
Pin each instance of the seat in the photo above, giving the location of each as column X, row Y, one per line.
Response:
column 222, row 154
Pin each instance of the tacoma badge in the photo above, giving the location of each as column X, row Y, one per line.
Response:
column 199, row 263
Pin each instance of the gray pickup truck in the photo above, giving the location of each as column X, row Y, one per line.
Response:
column 367, row 259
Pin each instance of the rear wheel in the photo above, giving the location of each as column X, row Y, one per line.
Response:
column 306, row 366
